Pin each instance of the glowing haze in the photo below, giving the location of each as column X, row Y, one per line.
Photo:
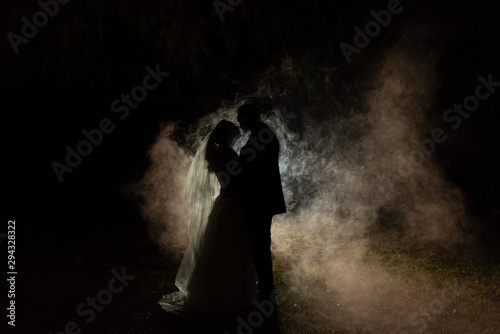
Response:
column 338, row 172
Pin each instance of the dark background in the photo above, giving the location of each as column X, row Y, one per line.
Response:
column 65, row 78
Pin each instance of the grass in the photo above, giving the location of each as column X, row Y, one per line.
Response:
column 395, row 281
column 417, row 276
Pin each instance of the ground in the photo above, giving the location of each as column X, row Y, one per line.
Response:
column 398, row 290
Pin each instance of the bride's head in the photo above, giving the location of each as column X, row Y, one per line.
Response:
column 225, row 133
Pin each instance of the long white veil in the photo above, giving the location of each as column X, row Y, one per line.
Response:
column 201, row 190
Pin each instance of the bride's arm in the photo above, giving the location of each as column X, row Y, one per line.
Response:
column 229, row 171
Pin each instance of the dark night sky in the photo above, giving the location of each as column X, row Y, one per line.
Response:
column 66, row 77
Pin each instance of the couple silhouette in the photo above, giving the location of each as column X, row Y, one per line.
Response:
column 233, row 199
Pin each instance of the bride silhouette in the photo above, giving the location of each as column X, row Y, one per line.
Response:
column 216, row 274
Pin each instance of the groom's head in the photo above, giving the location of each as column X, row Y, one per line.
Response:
column 248, row 116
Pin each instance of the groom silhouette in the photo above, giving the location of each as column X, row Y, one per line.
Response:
column 261, row 191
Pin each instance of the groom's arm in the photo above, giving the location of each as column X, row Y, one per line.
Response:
column 260, row 163
column 257, row 159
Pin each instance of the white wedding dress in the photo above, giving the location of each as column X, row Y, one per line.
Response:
column 216, row 274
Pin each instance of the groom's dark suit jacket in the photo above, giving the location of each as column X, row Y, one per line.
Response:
column 260, row 178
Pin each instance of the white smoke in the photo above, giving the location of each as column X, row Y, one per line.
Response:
column 335, row 166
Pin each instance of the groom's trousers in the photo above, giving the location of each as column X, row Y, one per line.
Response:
column 259, row 227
